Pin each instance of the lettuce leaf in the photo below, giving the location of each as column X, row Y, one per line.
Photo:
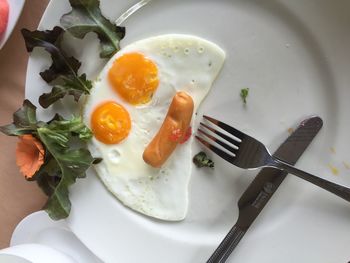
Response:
column 63, row 73
column 24, row 121
column 65, row 158
column 72, row 163
column 86, row 17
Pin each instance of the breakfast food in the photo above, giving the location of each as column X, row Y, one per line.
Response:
column 178, row 119
column 128, row 108
column 4, row 15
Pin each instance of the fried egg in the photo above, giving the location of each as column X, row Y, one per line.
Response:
column 126, row 108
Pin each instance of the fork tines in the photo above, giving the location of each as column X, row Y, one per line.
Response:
column 231, row 144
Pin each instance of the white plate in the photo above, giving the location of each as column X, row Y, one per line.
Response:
column 294, row 56
column 34, row 253
column 13, row 259
column 38, row 228
column 15, row 11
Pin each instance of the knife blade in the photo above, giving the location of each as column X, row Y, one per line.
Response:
column 265, row 184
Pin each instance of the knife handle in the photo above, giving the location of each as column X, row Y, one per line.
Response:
column 227, row 245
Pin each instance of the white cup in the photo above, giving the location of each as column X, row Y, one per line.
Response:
column 33, row 253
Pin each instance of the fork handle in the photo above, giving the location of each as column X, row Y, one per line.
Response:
column 336, row 189
column 227, row 245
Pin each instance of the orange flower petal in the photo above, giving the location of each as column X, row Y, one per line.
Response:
column 29, row 155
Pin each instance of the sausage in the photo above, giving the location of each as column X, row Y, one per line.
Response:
column 177, row 120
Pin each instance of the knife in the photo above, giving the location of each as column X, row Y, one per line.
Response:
column 265, row 185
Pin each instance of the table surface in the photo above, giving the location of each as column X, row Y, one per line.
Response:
column 18, row 198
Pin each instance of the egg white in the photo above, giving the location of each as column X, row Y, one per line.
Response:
column 185, row 63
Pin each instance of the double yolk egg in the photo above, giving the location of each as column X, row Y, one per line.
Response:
column 129, row 106
column 135, row 78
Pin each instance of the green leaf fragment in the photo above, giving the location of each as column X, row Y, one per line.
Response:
column 86, row 17
column 75, row 126
column 63, row 73
column 49, row 176
column 244, row 94
column 201, row 160
column 24, row 121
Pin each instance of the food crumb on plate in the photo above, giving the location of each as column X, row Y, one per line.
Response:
column 290, row 130
column 347, row 165
column 334, row 169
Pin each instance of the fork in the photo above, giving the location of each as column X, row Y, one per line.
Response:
column 246, row 152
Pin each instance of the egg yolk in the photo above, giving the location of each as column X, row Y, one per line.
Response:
column 110, row 123
column 134, row 77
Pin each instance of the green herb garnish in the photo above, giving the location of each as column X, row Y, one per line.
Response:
column 86, row 17
column 244, row 94
column 53, row 153
column 65, row 157
column 202, row 160
column 63, row 73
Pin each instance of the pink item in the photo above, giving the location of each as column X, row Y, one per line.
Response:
column 4, row 15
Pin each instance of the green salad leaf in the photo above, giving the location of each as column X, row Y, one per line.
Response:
column 244, row 94
column 65, row 158
column 86, row 17
column 24, row 121
column 69, row 164
column 201, row 160
column 63, row 73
